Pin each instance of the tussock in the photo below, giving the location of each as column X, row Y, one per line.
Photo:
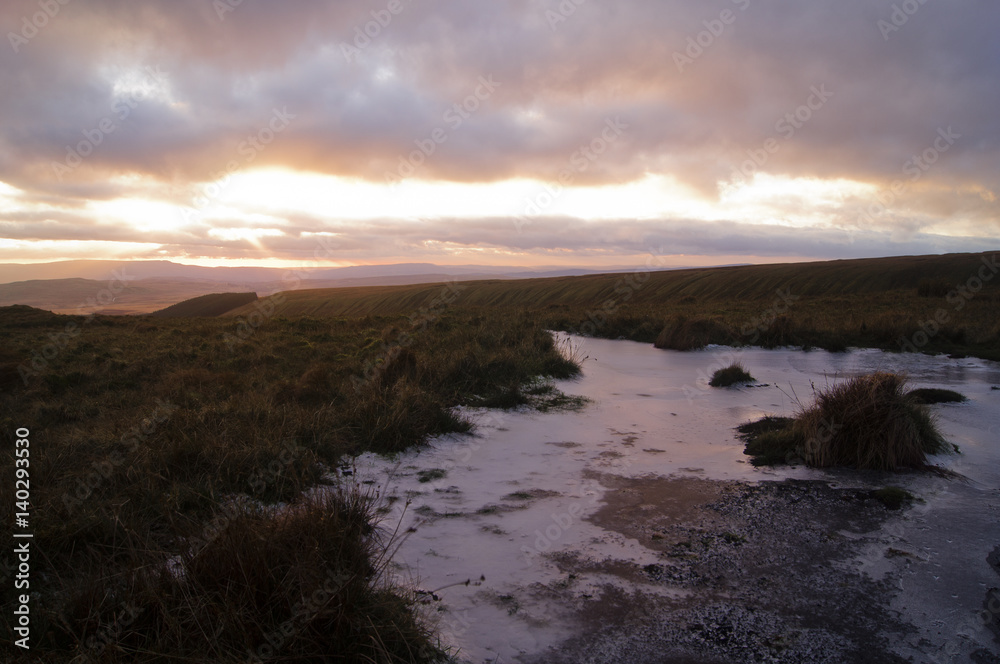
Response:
column 869, row 422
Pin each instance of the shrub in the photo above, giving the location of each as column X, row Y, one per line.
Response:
column 734, row 374
column 869, row 422
column 310, row 580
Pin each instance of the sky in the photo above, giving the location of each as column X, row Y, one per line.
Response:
column 511, row 132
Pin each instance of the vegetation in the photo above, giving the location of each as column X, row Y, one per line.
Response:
column 203, row 306
column 869, row 422
column 161, row 446
column 933, row 395
column 734, row 374
column 158, row 445
column 866, row 303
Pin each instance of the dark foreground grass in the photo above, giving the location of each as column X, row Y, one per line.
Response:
column 144, row 429
column 869, row 422
column 734, row 374
column 305, row 585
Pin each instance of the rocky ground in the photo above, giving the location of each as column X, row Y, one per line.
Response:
column 747, row 573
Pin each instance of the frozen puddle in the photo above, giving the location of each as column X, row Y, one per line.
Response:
column 508, row 502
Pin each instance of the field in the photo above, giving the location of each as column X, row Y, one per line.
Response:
column 161, row 446
column 945, row 304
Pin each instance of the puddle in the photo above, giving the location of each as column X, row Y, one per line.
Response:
column 524, row 495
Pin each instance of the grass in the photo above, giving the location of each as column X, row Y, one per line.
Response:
column 869, row 423
column 734, row 374
column 144, row 430
column 834, row 305
column 933, row 395
column 211, row 305
column 262, row 588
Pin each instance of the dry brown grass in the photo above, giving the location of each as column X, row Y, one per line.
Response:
column 868, row 422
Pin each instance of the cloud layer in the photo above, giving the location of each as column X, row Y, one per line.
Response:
column 157, row 100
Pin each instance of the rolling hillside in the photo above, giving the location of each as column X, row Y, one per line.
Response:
column 702, row 285
column 206, row 306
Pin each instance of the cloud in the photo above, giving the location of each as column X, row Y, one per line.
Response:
column 176, row 91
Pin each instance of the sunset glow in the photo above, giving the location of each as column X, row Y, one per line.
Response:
column 500, row 135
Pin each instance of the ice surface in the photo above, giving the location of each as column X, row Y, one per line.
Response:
column 518, row 492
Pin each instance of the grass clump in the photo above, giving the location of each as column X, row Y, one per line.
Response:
column 768, row 440
column 868, row 423
column 255, row 587
column 734, row 374
column 933, row 395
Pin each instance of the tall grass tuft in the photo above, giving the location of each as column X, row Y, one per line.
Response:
column 300, row 585
column 869, row 422
column 734, row 374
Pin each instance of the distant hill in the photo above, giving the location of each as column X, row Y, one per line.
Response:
column 89, row 296
column 136, row 270
column 214, row 304
column 704, row 285
column 115, row 288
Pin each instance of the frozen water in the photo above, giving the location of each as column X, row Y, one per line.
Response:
column 518, row 492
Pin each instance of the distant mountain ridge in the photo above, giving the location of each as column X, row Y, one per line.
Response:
column 160, row 269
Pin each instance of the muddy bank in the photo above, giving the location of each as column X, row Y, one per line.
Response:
column 755, row 574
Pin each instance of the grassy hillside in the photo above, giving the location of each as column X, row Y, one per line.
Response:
column 751, row 282
column 890, row 303
column 213, row 304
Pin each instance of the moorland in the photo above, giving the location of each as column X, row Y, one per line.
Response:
column 170, row 453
